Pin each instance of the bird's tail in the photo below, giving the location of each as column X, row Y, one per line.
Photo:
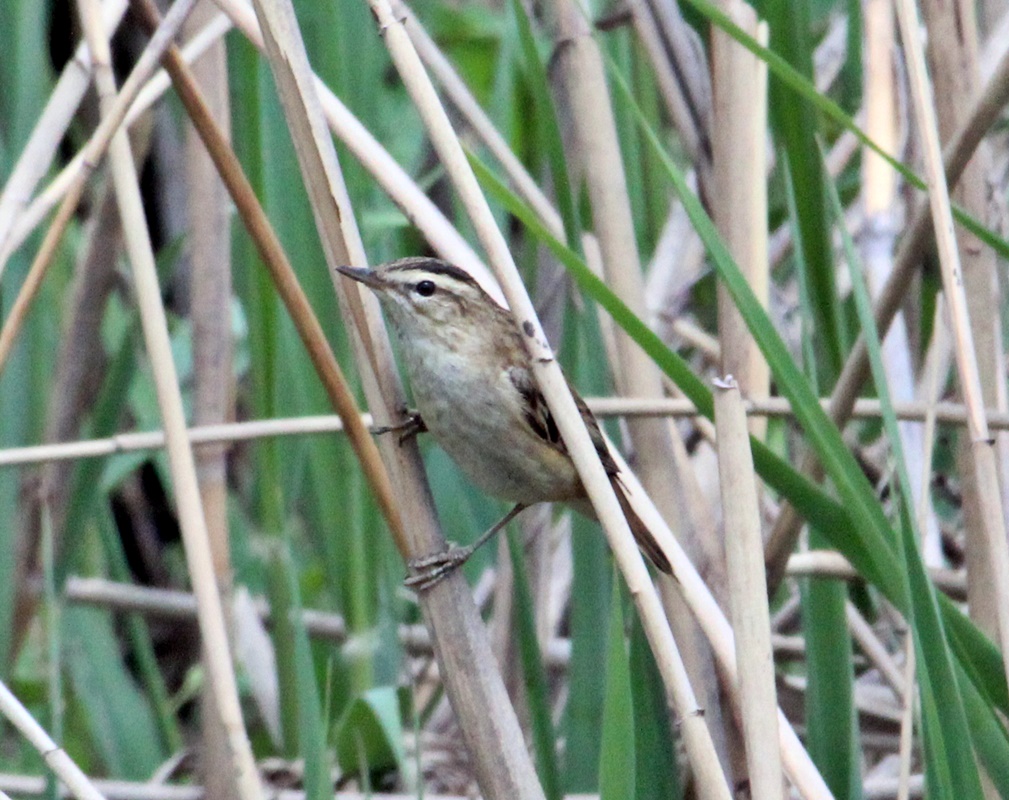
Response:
column 642, row 535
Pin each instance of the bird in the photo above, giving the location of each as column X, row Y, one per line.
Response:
column 476, row 393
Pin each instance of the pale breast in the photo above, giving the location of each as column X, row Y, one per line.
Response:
column 476, row 415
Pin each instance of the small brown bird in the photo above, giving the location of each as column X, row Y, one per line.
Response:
column 476, row 393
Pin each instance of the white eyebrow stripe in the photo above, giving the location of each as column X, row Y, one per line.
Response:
column 407, row 278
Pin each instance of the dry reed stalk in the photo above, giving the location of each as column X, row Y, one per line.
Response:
column 461, row 97
column 296, row 426
column 864, row 408
column 948, row 413
column 596, row 157
column 53, row 755
column 210, row 291
column 179, row 605
column 798, row 766
column 554, row 387
column 394, row 180
column 744, row 553
column 155, row 440
column 148, row 94
column 738, row 203
column 80, row 369
column 695, row 506
column 33, row 786
column 692, row 131
column 874, row 704
column 953, row 49
column 989, row 492
column 441, row 235
column 209, row 240
column 282, row 273
column 934, row 369
column 877, row 243
column 831, row 564
column 875, row 651
column 878, row 239
column 697, row 338
column 45, row 138
column 995, row 30
column 415, row 639
column 216, row 648
column 739, row 200
column 686, row 56
column 677, row 263
column 913, row 247
column 466, row 664
column 988, row 103
column 93, row 152
column 326, row 625
column 698, row 510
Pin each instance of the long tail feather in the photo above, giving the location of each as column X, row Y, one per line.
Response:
column 642, row 535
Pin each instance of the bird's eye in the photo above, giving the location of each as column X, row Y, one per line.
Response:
column 425, row 288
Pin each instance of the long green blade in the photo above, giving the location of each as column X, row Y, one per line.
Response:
column 537, row 691
column 952, row 770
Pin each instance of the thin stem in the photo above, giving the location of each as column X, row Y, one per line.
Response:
column 180, row 457
column 989, row 493
column 283, row 275
column 55, row 756
column 465, row 661
column 748, row 595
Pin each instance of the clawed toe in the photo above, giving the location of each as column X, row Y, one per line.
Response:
column 410, row 427
column 431, row 570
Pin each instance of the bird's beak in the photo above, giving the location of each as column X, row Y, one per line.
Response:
column 368, row 277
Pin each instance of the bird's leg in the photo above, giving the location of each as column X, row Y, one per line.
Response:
column 431, row 569
column 407, row 429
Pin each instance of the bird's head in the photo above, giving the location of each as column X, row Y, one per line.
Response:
column 425, row 296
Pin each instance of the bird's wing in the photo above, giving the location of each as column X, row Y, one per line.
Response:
column 542, row 423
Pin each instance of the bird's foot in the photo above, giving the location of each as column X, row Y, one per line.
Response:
column 407, row 429
column 431, row 570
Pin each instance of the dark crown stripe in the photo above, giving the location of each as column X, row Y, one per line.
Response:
column 435, row 267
